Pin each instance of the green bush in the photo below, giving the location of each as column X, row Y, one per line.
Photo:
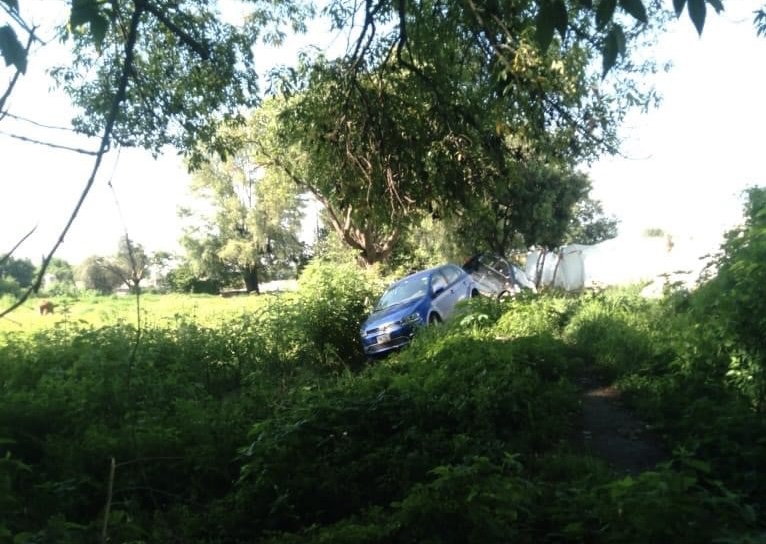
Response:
column 730, row 309
column 531, row 314
column 266, row 425
column 334, row 300
column 375, row 437
column 615, row 329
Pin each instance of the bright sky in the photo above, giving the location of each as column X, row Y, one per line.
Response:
column 682, row 169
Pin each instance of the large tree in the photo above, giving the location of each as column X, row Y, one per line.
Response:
column 255, row 220
column 533, row 206
column 437, row 115
column 153, row 72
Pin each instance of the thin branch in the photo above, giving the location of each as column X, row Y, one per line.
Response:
column 37, row 124
column 51, row 145
column 108, row 507
column 119, row 97
column 14, row 248
column 13, row 14
column 145, row 459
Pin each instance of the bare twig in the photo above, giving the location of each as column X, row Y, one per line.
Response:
column 14, row 14
column 49, row 144
column 37, row 124
column 14, row 248
column 108, row 507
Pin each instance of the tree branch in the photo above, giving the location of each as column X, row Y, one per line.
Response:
column 14, row 248
column 119, row 97
column 51, row 145
column 202, row 50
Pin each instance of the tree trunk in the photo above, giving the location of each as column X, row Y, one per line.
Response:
column 250, row 275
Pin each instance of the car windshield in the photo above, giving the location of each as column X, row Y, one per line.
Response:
column 403, row 291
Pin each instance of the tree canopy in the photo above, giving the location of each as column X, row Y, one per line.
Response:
column 440, row 112
column 253, row 228
column 431, row 99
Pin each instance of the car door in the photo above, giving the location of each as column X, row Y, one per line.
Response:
column 493, row 280
column 458, row 285
column 442, row 296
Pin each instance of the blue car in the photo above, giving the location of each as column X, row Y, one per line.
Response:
column 419, row 299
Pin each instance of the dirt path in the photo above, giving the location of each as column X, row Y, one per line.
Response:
column 611, row 432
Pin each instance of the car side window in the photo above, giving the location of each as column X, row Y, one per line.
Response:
column 502, row 266
column 451, row 273
column 438, row 282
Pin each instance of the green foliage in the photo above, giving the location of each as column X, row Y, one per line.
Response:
column 759, row 21
column 59, row 278
column 95, row 276
column 189, row 70
column 533, row 205
column 9, row 286
column 130, row 264
column 334, row 300
column 11, row 49
column 16, row 274
column 264, row 424
column 729, row 309
column 530, row 315
column 589, row 225
column 255, row 218
column 422, row 246
column 616, row 327
column 406, row 435
column 185, row 279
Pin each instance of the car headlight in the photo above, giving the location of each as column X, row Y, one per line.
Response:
column 412, row 319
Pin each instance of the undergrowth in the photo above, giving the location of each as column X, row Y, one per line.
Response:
column 269, row 426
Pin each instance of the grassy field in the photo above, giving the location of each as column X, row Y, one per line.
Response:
column 155, row 309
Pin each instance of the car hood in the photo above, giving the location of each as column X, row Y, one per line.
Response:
column 391, row 314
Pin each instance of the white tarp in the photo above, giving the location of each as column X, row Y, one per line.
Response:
column 619, row 261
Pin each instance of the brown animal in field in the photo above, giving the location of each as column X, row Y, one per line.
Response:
column 46, row 307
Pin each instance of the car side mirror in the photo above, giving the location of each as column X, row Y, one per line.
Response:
column 438, row 291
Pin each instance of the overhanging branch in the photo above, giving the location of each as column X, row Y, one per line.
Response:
column 119, row 97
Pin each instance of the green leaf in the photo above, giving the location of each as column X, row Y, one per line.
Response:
column 678, row 5
column 604, row 12
column 98, row 27
column 12, row 50
column 545, row 26
column 587, row 4
column 717, row 5
column 83, row 12
column 88, row 12
column 635, row 8
column 560, row 17
column 613, row 46
column 697, row 14
column 12, row 4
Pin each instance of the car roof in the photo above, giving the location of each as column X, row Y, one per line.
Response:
column 427, row 272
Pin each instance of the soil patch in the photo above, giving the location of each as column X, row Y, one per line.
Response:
column 610, row 431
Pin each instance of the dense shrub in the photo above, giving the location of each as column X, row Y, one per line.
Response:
column 730, row 309
column 378, row 437
column 531, row 314
column 334, row 300
column 615, row 329
column 264, row 424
